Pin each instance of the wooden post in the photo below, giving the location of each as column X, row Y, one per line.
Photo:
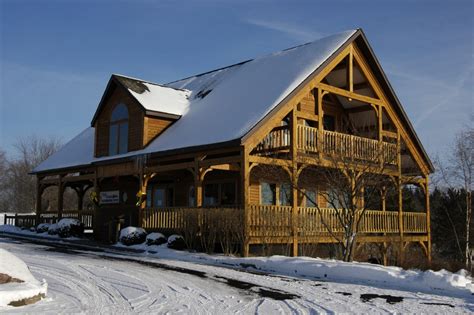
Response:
column 197, row 184
column 383, row 195
column 380, row 136
column 80, row 197
column 350, row 71
column 294, row 179
column 319, row 143
column 60, row 197
column 143, row 184
column 400, row 220
column 39, row 193
column 95, row 221
column 245, row 183
column 428, row 217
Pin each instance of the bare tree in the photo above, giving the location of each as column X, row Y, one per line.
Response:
column 20, row 191
column 456, row 171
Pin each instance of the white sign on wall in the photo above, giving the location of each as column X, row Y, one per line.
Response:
column 109, row 197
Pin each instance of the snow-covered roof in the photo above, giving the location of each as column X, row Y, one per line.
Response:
column 157, row 97
column 216, row 106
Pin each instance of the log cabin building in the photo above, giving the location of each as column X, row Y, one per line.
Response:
column 154, row 153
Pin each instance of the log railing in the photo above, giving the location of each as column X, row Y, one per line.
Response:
column 278, row 139
column 267, row 220
column 31, row 220
column 309, row 140
column 414, row 222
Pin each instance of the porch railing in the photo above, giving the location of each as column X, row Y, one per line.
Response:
column 267, row 221
column 31, row 220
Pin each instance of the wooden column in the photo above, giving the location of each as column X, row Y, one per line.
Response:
column 197, row 184
column 80, row 197
column 244, row 191
column 143, row 184
column 294, row 179
column 383, row 195
column 95, row 220
column 39, row 193
column 400, row 219
column 380, row 136
column 320, row 120
column 428, row 216
column 60, row 196
column 350, row 71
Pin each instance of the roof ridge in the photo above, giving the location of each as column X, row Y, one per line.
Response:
column 258, row 57
column 149, row 82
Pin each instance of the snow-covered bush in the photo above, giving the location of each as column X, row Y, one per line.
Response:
column 9, row 228
column 70, row 227
column 176, row 242
column 42, row 227
column 53, row 229
column 155, row 239
column 132, row 235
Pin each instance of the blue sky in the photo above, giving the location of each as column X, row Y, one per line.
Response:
column 57, row 56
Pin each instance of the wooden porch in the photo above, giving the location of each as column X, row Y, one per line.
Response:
column 276, row 224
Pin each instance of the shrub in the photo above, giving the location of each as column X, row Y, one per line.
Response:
column 132, row 235
column 42, row 227
column 155, row 239
column 70, row 227
column 53, row 229
column 176, row 242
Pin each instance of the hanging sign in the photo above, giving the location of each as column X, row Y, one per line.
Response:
column 109, row 197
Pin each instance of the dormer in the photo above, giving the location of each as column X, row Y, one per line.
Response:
column 132, row 113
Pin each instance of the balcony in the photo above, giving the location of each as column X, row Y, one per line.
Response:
column 311, row 141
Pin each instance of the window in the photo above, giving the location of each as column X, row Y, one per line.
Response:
column 211, row 194
column 329, row 123
column 268, row 195
column 219, row 194
column 159, row 196
column 311, row 198
column 191, row 197
column 227, row 193
column 118, row 132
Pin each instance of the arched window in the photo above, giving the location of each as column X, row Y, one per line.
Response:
column 118, row 133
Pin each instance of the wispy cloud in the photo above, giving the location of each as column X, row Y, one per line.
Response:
column 294, row 31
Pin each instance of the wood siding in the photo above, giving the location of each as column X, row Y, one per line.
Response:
column 135, row 122
column 153, row 127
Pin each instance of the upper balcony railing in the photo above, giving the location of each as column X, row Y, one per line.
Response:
column 310, row 140
column 345, row 146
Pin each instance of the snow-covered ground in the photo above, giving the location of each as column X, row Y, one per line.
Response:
column 106, row 281
column 22, row 285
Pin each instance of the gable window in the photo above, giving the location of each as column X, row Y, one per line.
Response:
column 118, row 132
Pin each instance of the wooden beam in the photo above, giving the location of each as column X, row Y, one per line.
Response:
column 170, row 167
column 226, row 167
column 245, row 184
column 350, row 71
column 269, row 161
column 307, row 116
column 349, row 94
column 68, row 179
column 389, row 134
column 219, row 161
column 365, row 69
